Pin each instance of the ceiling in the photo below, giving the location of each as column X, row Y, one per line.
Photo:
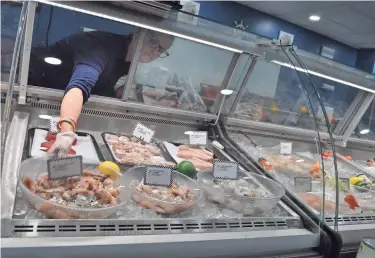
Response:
column 349, row 22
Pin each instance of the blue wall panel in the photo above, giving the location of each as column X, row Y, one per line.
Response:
column 269, row 26
column 366, row 60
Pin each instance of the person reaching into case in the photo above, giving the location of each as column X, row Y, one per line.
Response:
column 90, row 63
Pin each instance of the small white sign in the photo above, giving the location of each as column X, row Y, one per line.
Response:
column 53, row 124
column 198, row 138
column 286, row 148
column 225, row 170
column 286, row 38
column 64, row 167
column 158, row 176
column 346, row 181
column 303, row 184
column 143, row 132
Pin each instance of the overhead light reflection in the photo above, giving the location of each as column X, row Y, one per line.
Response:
column 323, row 76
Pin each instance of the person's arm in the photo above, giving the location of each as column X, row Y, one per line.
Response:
column 77, row 92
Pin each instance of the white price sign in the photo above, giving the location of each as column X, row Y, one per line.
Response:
column 64, row 167
column 346, row 181
column 53, row 124
column 286, row 148
column 158, row 176
column 303, row 184
column 198, row 138
column 225, row 170
column 143, row 132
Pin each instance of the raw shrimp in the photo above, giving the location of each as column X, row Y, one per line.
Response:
column 90, row 190
column 130, row 150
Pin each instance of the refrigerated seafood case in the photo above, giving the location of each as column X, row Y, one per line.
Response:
column 354, row 222
column 206, row 226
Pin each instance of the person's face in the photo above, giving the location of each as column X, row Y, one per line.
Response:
column 155, row 46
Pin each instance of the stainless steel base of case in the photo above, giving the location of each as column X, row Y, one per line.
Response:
column 182, row 237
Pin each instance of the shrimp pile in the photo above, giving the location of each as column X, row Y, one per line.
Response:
column 130, row 150
column 91, row 190
column 176, row 194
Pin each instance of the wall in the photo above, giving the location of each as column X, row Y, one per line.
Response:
column 366, row 60
column 260, row 23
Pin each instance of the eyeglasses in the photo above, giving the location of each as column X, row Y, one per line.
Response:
column 155, row 43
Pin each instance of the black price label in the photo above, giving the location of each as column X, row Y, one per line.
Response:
column 59, row 168
column 158, row 176
column 225, row 170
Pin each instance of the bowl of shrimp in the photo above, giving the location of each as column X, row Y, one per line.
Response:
column 91, row 195
column 181, row 196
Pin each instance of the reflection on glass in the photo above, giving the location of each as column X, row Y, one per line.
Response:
column 188, row 75
column 10, row 14
column 76, row 50
column 275, row 94
column 366, row 127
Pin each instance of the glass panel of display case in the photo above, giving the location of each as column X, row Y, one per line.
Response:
column 10, row 14
column 178, row 73
column 275, row 94
column 75, row 49
column 366, row 127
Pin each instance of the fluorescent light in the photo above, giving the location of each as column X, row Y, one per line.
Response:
column 188, row 132
column 52, row 60
column 314, row 18
column 323, row 76
column 47, row 117
column 140, row 25
column 226, row 92
column 365, row 131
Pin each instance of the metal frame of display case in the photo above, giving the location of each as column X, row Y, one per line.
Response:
column 219, row 236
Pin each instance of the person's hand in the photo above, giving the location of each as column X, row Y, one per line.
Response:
column 63, row 143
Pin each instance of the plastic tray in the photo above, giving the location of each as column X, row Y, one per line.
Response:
column 96, row 149
column 114, row 157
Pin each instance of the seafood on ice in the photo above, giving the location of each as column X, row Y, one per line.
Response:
column 130, row 150
column 201, row 158
column 163, row 200
column 292, row 165
column 237, row 195
column 90, row 190
column 315, row 201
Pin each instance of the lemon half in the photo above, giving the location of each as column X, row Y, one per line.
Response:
column 110, row 169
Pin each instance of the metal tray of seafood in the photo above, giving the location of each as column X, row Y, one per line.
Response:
column 163, row 155
column 31, row 134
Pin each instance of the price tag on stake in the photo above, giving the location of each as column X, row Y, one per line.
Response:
column 59, row 168
column 158, row 176
column 143, row 132
column 303, row 184
column 346, row 181
column 198, row 138
column 225, row 170
column 286, row 148
column 53, row 124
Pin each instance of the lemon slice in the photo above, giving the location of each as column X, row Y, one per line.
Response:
column 110, row 169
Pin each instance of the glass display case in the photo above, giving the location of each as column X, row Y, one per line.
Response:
column 144, row 70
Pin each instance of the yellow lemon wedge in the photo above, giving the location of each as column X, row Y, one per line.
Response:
column 110, row 169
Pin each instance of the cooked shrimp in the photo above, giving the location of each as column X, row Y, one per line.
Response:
column 29, row 183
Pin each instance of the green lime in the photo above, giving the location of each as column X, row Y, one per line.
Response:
column 187, row 168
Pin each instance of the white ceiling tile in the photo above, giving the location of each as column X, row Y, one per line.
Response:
column 350, row 22
column 366, row 8
column 350, row 18
column 290, row 7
